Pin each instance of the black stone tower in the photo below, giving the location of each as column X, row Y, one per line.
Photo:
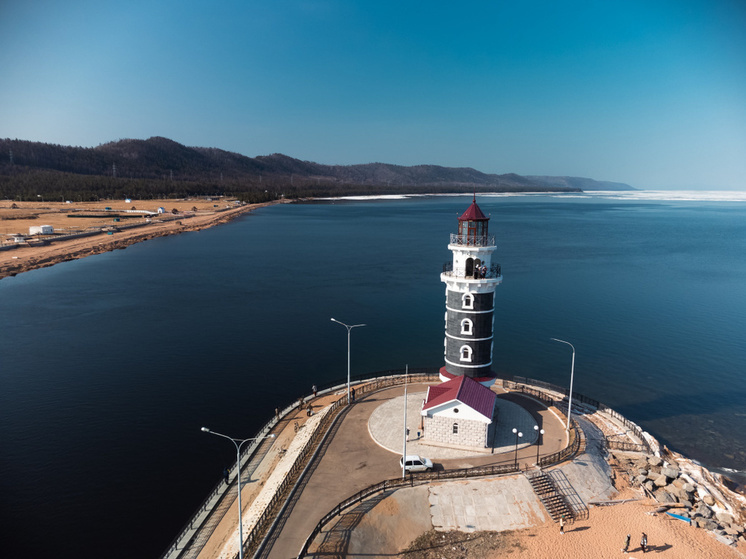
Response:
column 471, row 279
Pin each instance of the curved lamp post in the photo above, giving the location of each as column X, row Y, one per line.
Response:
column 518, row 435
column 238, row 443
column 540, row 433
column 349, row 328
column 572, row 375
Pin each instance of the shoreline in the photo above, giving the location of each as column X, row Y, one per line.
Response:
column 27, row 258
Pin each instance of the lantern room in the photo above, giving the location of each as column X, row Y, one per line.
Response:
column 472, row 226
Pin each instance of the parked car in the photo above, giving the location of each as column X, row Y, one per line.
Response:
column 416, row 464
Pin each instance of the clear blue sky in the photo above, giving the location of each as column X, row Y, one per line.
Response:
column 652, row 93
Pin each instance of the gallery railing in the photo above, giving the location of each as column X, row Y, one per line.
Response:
column 472, row 240
column 493, row 271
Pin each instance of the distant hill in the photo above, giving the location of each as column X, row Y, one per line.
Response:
column 579, row 182
column 159, row 166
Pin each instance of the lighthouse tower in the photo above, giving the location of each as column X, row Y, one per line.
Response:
column 470, row 281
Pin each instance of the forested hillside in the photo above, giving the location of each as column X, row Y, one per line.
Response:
column 159, row 167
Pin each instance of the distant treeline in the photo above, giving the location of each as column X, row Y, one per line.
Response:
column 161, row 168
column 23, row 184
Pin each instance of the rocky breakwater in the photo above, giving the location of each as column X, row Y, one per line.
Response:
column 688, row 490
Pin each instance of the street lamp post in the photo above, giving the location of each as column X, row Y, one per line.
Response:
column 349, row 328
column 540, row 434
column 518, row 435
column 572, row 376
column 238, row 443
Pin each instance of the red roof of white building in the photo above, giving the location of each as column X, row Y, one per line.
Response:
column 464, row 390
column 473, row 213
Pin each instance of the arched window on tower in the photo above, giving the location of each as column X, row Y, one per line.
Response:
column 467, row 301
column 465, row 352
column 467, row 327
column 455, row 428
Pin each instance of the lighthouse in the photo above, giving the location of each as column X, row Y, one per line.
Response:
column 470, row 278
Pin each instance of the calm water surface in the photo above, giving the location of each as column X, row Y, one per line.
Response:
column 110, row 365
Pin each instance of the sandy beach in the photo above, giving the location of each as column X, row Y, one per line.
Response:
column 108, row 232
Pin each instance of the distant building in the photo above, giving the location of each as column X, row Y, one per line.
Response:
column 41, row 230
column 161, row 210
column 458, row 413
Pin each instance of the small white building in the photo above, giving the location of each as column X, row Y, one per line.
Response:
column 161, row 210
column 458, row 413
column 41, row 230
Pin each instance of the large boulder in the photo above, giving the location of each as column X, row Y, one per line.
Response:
column 663, row 496
column 681, row 495
column 670, row 472
column 703, row 510
column 724, row 518
column 707, row 524
column 655, row 461
column 708, row 499
column 661, row 481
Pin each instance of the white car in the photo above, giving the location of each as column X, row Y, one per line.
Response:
column 416, row 464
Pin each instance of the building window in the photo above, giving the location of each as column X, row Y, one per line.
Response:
column 467, row 301
column 465, row 353
column 466, row 326
column 455, row 428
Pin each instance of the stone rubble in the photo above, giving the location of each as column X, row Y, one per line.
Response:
column 689, row 490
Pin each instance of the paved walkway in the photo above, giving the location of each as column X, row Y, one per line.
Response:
column 491, row 504
column 355, row 459
column 364, row 448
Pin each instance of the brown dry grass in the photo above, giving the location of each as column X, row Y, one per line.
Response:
column 25, row 258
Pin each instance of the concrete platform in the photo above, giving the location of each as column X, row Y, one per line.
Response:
column 386, row 427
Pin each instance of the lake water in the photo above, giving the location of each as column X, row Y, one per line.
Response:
column 110, row 365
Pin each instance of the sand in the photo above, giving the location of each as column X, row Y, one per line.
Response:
column 193, row 215
column 602, row 535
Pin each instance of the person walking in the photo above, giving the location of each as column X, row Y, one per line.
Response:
column 562, row 524
column 315, row 390
column 644, row 542
column 626, row 543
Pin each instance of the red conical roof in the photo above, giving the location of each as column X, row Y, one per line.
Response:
column 473, row 213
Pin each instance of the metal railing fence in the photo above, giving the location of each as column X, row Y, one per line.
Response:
column 472, row 240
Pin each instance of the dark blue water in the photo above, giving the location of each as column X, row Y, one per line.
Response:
column 110, row 365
